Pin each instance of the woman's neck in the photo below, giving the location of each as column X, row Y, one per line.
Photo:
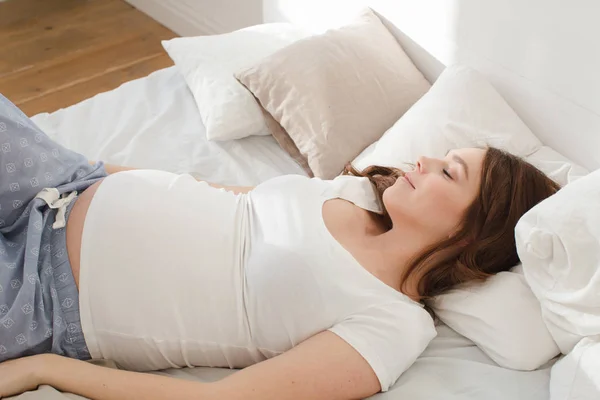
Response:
column 390, row 250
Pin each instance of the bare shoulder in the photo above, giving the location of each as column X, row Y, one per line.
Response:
column 344, row 220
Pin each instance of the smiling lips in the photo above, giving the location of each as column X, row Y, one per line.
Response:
column 407, row 178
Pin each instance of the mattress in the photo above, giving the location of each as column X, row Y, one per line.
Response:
column 153, row 122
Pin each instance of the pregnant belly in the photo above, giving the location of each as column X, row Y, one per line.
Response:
column 75, row 227
column 158, row 259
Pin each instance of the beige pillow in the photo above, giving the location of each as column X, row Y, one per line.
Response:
column 286, row 142
column 336, row 93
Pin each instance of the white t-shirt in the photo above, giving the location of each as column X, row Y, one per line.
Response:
column 175, row 273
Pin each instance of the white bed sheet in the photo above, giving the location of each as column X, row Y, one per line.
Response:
column 153, row 122
column 451, row 368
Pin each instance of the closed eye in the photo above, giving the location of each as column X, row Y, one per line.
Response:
column 447, row 174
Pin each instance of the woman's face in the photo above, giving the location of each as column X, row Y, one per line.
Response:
column 435, row 195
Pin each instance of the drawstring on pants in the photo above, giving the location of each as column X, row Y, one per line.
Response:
column 55, row 200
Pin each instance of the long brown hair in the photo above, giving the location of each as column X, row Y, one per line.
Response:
column 485, row 242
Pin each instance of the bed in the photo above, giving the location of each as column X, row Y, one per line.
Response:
column 153, row 122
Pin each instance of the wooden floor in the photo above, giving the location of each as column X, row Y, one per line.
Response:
column 55, row 53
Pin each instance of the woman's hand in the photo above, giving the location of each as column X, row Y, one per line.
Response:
column 22, row 374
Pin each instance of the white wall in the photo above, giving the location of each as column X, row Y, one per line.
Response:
column 542, row 55
column 202, row 17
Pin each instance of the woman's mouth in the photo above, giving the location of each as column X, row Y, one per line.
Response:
column 407, row 179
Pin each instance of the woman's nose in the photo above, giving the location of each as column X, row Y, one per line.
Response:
column 426, row 164
column 421, row 164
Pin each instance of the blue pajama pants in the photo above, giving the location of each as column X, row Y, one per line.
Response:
column 39, row 301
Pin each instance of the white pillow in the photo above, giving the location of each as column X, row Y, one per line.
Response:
column 503, row 317
column 558, row 241
column 462, row 109
column 556, row 166
column 577, row 376
column 208, row 63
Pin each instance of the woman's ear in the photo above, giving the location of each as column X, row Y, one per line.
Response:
column 464, row 242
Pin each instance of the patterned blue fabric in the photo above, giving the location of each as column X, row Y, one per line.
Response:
column 39, row 302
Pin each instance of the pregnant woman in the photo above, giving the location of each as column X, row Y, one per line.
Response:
column 315, row 288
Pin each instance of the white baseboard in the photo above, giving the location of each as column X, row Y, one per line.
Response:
column 202, row 17
column 170, row 15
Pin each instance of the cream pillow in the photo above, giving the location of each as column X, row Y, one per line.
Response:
column 336, row 93
column 207, row 63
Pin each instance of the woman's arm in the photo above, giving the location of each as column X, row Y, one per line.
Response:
column 111, row 169
column 322, row 367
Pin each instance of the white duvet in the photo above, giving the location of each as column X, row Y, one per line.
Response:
column 153, row 122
